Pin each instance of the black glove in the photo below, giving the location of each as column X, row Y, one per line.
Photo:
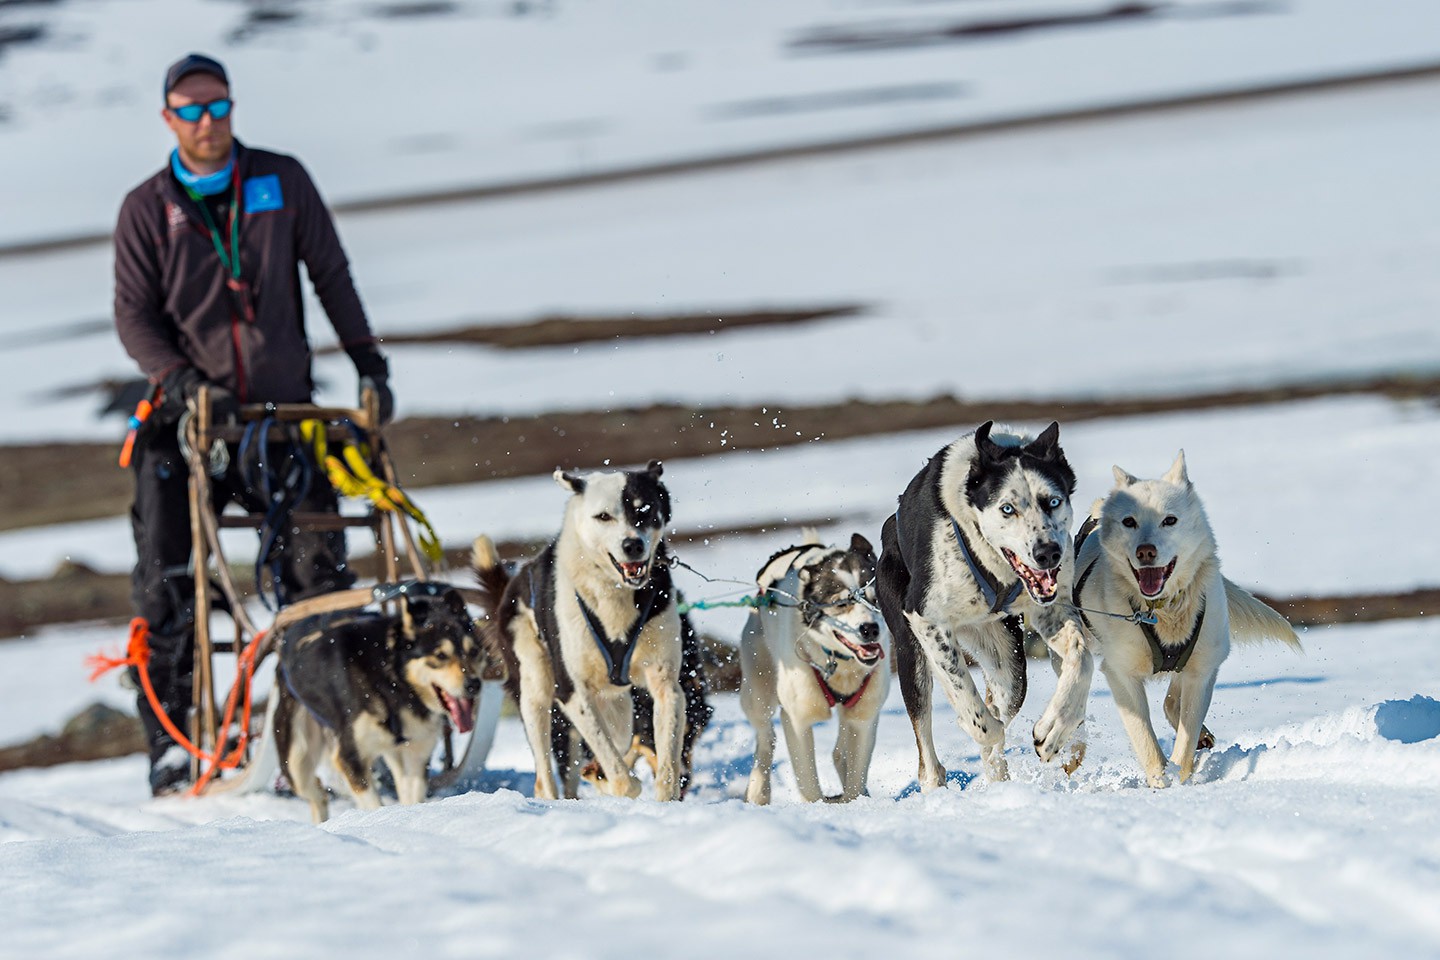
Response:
column 374, row 375
column 386, row 399
column 181, row 386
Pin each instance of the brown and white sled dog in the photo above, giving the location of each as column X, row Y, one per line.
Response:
column 355, row 687
column 979, row 545
column 816, row 647
column 592, row 614
column 1153, row 552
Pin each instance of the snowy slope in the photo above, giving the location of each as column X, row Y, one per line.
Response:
column 479, row 92
column 1227, row 245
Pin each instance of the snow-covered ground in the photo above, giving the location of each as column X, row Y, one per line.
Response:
column 1243, row 244
column 1308, row 831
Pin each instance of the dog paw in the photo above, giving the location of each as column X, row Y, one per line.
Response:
column 1158, row 781
column 1052, row 731
column 1047, row 738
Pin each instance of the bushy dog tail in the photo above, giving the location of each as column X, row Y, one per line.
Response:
column 489, row 571
column 810, row 536
column 1253, row 622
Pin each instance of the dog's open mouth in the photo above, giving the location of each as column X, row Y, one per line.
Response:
column 868, row 653
column 1152, row 579
column 634, row 574
column 462, row 712
column 1041, row 584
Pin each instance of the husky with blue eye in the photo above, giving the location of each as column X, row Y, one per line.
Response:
column 591, row 615
column 979, row 548
column 1148, row 550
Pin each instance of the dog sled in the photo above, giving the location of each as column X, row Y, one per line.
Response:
column 350, row 442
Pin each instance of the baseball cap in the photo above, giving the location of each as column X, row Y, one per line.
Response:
column 193, row 63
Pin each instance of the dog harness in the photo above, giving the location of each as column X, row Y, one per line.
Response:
column 1163, row 659
column 1166, row 658
column 832, row 698
column 625, row 649
column 989, row 585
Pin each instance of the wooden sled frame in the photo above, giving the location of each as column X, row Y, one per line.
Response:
column 205, row 526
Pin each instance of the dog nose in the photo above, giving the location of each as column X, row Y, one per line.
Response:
column 472, row 686
column 1047, row 555
column 1146, row 553
column 633, row 547
column 870, row 632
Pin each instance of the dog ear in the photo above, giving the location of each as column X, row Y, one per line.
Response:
column 862, row 546
column 570, row 481
column 987, row 449
column 1177, row 473
column 654, row 468
column 1123, row 479
column 456, row 605
column 1047, row 445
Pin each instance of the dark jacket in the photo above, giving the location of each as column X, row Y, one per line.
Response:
column 172, row 305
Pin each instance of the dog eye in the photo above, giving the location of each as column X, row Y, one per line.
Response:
column 603, row 517
column 441, row 657
column 1007, row 509
column 1170, row 521
column 1129, row 522
column 1055, row 503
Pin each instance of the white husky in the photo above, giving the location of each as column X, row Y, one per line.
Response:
column 817, row 647
column 1153, row 555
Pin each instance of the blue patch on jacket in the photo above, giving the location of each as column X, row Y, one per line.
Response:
column 263, row 193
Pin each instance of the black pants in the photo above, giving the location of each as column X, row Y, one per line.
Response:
column 162, row 589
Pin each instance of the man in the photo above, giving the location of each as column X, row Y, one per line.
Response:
column 207, row 292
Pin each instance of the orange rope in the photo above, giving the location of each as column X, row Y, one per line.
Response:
column 138, row 656
column 245, row 674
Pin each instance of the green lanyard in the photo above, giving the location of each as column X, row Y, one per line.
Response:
column 231, row 265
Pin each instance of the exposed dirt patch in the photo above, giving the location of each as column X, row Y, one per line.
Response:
column 835, row 100
column 58, row 483
column 76, row 592
column 891, row 35
column 96, row 733
column 567, row 330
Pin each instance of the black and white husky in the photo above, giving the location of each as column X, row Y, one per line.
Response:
column 592, row 614
column 1152, row 553
column 815, row 647
column 355, row 687
column 979, row 547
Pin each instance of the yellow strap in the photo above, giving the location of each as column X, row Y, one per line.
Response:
column 351, row 476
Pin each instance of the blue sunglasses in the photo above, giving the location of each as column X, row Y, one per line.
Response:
column 192, row 112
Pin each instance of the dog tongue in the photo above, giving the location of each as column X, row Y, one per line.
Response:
column 1045, row 581
column 1151, row 579
column 462, row 712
